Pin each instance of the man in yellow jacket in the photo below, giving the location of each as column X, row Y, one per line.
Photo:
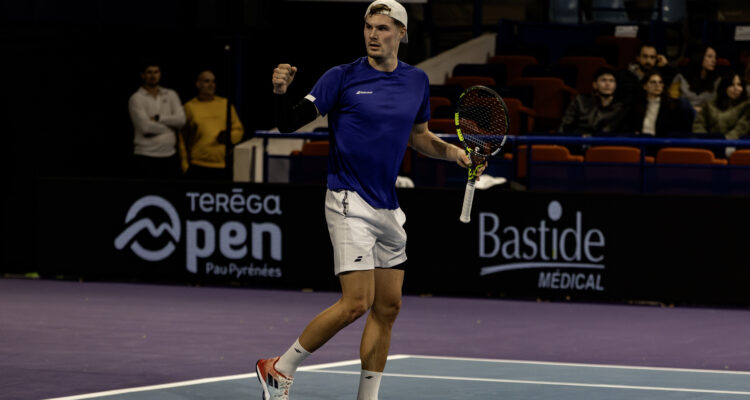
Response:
column 203, row 139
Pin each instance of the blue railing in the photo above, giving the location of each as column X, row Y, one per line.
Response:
column 642, row 177
column 555, row 139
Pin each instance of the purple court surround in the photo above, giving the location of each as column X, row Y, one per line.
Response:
column 61, row 338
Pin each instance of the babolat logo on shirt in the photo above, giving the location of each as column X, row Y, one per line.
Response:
column 570, row 257
column 364, row 92
column 213, row 244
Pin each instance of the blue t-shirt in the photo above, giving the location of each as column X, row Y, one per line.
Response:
column 371, row 114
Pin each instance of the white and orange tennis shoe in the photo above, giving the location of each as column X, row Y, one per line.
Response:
column 275, row 384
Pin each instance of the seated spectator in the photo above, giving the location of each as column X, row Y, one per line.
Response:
column 729, row 112
column 203, row 140
column 697, row 81
column 647, row 60
column 655, row 113
column 596, row 112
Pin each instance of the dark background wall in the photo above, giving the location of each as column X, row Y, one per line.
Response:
column 76, row 63
column 72, row 65
column 69, row 67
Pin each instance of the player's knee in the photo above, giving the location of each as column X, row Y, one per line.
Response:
column 387, row 310
column 356, row 308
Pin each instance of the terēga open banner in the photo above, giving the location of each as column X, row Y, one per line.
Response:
column 528, row 245
column 255, row 235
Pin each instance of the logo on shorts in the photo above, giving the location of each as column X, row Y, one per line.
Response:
column 173, row 228
column 358, row 259
column 364, row 92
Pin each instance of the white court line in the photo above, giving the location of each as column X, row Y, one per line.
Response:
column 318, row 367
column 155, row 387
column 549, row 383
column 205, row 380
column 492, row 360
column 347, row 363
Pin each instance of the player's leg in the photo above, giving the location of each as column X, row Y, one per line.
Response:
column 276, row 374
column 358, row 291
column 348, row 225
column 376, row 338
column 390, row 255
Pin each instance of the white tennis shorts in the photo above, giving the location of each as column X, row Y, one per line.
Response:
column 363, row 237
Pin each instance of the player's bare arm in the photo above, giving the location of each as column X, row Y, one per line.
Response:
column 427, row 143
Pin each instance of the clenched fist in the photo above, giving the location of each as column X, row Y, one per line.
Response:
column 283, row 75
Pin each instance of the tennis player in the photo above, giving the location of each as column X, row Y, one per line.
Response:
column 375, row 106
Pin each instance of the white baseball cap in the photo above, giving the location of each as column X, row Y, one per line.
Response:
column 397, row 12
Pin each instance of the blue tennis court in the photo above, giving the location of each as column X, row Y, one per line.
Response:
column 427, row 377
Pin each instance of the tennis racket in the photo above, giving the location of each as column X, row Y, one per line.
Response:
column 482, row 125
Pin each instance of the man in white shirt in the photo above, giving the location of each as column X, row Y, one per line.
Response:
column 156, row 113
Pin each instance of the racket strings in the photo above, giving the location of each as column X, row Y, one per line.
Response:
column 483, row 121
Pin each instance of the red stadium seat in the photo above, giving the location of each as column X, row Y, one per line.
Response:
column 469, row 81
column 684, row 155
column 438, row 101
column 627, row 48
column 317, row 148
column 498, row 72
column 615, row 154
column 740, row 157
column 520, row 118
column 544, row 152
column 442, row 125
column 551, row 95
column 514, row 64
column 586, row 66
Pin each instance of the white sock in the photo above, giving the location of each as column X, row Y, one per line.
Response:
column 369, row 384
column 290, row 360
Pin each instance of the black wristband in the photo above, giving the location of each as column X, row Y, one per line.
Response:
column 288, row 118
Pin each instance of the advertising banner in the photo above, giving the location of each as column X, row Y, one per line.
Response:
column 590, row 247
column 529, row 245
column 255, row 235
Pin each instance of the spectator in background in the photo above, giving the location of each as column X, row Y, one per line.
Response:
column 596, row 112
column 655, row 113
column 204, row 137
column 729, row 112
column 697, row 81
column 156, row 113
column 630, row 85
